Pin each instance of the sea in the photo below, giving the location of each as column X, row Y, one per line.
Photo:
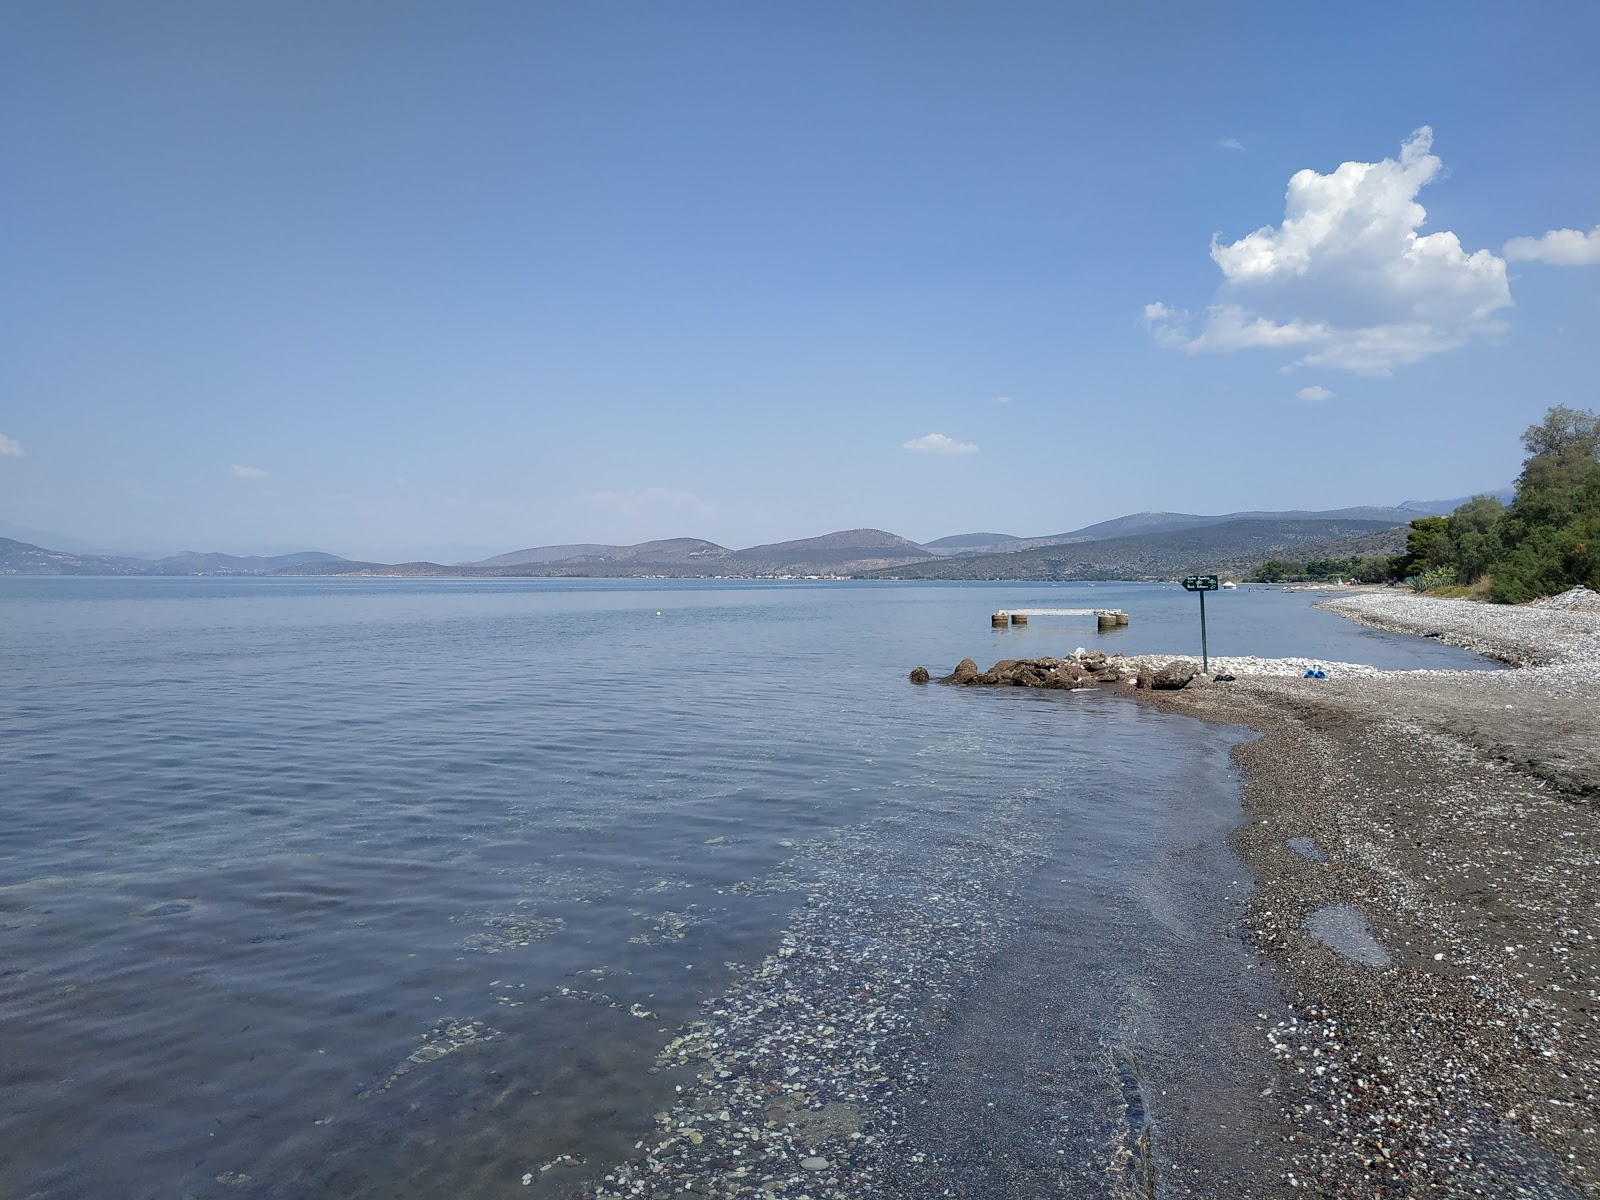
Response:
column 463, row 888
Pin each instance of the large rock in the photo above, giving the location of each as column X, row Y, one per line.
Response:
column 1027, row 674
column 1176, row 674
column 1083, row 670
column 1070, row 673
column 966, row 671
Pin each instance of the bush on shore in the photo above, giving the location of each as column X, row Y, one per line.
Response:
column 1547, row 541
column 1377, row 569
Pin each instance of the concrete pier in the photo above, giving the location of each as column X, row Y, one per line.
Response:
column 1108, row 618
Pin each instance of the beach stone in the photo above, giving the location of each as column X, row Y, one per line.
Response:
column 966, row 671
column 919, row 674
column 814, row 1163
column 1176, row 674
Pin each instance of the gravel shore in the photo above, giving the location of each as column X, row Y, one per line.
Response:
column 1426, row 851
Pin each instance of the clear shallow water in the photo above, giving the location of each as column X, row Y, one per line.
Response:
column 295, row 871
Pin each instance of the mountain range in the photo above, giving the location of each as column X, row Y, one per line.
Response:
column 1139, row 545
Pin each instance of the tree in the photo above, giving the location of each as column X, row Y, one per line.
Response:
column 1428, row 539
column 1561, row 450
column 1474, row 536
column 1563, row 429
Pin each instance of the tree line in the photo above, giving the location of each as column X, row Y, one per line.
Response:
column 1546, row 541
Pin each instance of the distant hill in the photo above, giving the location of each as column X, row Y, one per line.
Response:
column 1139, row 545
column 541, row 554
column 1443, row 508
column 1153, row 522
column 670, row 550
column 1164, row 554
column 344, row 566
column 23, row 558
column 974, row 543
column 192, row 563
column 846, row 552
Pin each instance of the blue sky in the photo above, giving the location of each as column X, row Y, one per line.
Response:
column 396, row 278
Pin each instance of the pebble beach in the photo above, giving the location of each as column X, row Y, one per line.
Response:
column 1426, row 850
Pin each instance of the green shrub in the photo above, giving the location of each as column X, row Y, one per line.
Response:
column 1432, row 578
column 1545, row 542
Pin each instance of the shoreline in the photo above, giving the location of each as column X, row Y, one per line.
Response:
column 1455, row 812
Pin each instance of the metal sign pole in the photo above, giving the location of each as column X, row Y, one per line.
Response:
column 1202, row 584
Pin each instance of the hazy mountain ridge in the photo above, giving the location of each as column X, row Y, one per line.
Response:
column 667, row 550
column 23, row 558
column 538, row 554
column 1443, row 508
column 975, row 543
column 1229, row 546
column 1162, row 522
column 845, row 552
column 1118, row 552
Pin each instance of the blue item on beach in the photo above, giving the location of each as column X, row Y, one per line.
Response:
column 1316, row 673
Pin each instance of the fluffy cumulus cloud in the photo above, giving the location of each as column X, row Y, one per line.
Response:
column 1314, row 394
column 1347, row 280
column 1559, row 247
column 242, row 472
column 10, row 447
column 937, row 443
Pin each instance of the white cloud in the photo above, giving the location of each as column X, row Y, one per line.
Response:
column 1002, row 400
column 1314, row 394
column 1559, row 247
column 937, row 443
column 241, row 472
column 1231, row 144
column 10, row 447
column 1347, row 280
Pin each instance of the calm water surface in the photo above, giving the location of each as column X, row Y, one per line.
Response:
column 318, row 888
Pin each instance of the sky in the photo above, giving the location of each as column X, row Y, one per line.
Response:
column 399, row 280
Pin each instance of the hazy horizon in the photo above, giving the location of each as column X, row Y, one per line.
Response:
column 455, row 553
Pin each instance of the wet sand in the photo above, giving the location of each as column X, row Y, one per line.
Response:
column 1427, row 857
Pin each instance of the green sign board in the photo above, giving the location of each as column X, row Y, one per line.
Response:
column 1202, row 584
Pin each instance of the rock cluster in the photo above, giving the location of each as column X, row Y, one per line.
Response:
column 1084, row 669
column 1579, row 597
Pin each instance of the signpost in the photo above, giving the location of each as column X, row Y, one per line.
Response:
column 1202, row 584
